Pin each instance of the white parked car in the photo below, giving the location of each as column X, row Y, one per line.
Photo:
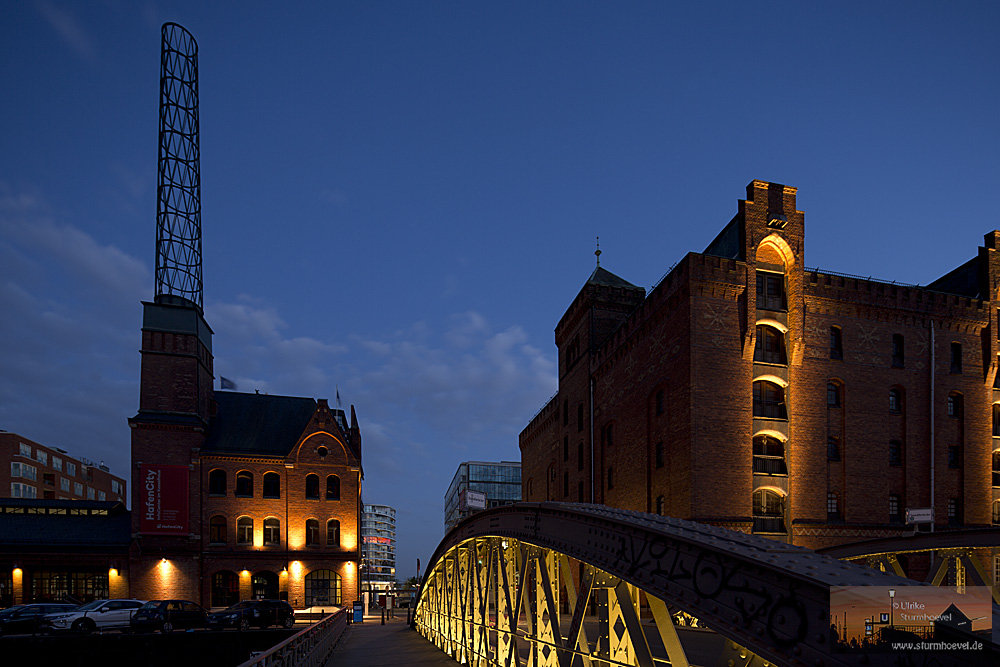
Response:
column 96, row 615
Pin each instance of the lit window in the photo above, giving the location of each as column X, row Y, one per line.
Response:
column 272, row 532
column 244, row 530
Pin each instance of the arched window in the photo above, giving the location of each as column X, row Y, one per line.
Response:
column 770, row 346
column 332, row 487
column 244, row 530
column 333, row 533
column 768, row 512
column 244, row 484
column 312, row 487
column 768, row 400
column 659, row 505
column 217, row 529
column 217, row 482
column 272, row 485
column 322, row 588
column 895, row 401
column 769, row 456
column 272, row 532
column 225, row 588
column 832, row 395
column 312, row 533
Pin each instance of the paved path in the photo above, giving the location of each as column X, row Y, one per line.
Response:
column 371, row 644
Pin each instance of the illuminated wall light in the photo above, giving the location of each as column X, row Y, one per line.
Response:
column 17, row 572
column 112, row 572
column 296, row 568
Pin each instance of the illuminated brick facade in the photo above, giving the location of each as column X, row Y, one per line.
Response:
column 750, row 392
column 236, row 496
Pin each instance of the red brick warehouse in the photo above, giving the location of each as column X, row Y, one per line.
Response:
column 750, row 392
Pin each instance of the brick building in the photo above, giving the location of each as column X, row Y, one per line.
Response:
column 31, row 470
column 236, row 496
column 748, row 391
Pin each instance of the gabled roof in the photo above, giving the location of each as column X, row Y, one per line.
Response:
column 257, row 424
column 602, row 276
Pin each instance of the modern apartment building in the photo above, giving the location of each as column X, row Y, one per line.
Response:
column 31, row 470
column 500, row 483
column 378, row 547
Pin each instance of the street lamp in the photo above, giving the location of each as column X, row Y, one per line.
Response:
column 892, row 594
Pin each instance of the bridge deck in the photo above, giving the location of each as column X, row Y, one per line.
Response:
column 371, row 644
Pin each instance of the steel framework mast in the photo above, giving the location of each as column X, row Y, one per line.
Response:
column 178, row 187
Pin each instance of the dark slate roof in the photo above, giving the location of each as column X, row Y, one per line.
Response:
column 602, row 276
column 257, row 424
column 101, row 526
column 963, row 281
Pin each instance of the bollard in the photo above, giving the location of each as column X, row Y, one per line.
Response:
column 383, row 615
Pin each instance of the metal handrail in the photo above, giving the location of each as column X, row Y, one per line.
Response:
column 310, row 648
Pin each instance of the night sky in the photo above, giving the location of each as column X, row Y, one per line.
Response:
column 400, row 199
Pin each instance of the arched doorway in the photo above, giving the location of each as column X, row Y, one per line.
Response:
column 264, row 586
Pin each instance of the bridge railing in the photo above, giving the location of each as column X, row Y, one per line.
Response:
column 309, row 648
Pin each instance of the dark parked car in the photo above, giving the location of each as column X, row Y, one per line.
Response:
column 29, row 618
column 259, row 613
column 167, row 616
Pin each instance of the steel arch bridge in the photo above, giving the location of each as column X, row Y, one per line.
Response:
column 491, row 595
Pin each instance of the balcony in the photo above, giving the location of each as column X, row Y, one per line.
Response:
column 770, row 465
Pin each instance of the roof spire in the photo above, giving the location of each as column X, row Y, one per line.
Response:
column 598, row 251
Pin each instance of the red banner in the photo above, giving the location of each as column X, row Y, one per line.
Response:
column 163, row 500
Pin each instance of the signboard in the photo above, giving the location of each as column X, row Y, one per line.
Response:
column 370, row 539
column 919, row 515
column 472, row 500
column 163, row 500
column 359, row 611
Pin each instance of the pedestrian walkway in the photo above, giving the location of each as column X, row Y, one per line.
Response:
column 371, row 644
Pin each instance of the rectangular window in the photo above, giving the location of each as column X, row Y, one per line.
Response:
column 64, row 484
column 831, row 504
column 956, row 357
column 565, row 484
column 770, row 291
column 836, row 343
column 25, row 450
column 832, row 449
column 579, row 492
column 70, row 469
column 895, row 509
column 954, row 456
column 42, row 457
column 18, row 490
column 566, row 448
column 579, row 456
column 659, row 403
column 895, row 453
column 116, row 487
column 659, row 454
column 57, row 463
column 897, row 351
column 953, row 514
column 90, row 493
column 15, row 469
column 611, row 479
column 78, row 488
column 101, row 495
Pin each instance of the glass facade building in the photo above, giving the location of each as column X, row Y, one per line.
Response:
column 500, row 482
column 378, row 547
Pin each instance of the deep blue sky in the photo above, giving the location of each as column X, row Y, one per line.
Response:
column 402, row 198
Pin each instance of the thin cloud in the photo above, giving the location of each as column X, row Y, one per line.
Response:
column 69, row 30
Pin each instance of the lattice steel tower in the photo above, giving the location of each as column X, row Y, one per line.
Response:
column 178, row 187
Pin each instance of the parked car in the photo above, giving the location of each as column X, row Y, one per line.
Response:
column 29, row 618
column 167, row 616
column 259, row 613
column 96, row 615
